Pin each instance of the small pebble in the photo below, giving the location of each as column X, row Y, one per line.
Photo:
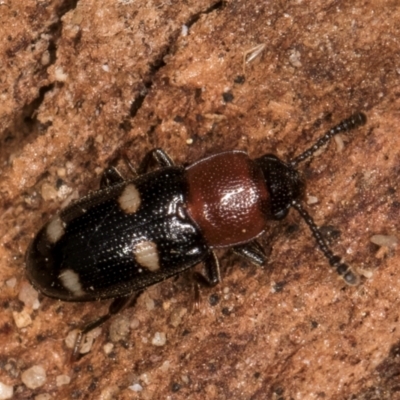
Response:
column 6, row 391
column 60, row 75
column 136, row 387
column 86, row 345
column 62, row 380
column 22, row 319
column 29, row 296
column 312, row 200
column 149, row 303
column 339, row 143
column 34, row 377
column 109, row 393
column 294, row 59
column 364, row 272
column 48, row 192
column 88, row 340
column 134, row 323
column 61, row 172
column 165, row 366
column 119, row 328
column 384, row 240
column 145, row 378
column 108, row 347
column 185, row 30
column 45, row 59
column 177, row 316
column 159, row 339
column 11, row 282
column 70, row 340
column 43, row 396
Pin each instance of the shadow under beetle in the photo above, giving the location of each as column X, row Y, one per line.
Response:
column 131, row 234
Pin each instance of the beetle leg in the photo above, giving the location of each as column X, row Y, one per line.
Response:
column 116, row 306
column 158, row 156
column 252, row 251
column 111, row 176
column 211, row 277
column 212, row 274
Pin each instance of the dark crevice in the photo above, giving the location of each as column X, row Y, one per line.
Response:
column 29, row 111
column 195, row 17
column 156, row 65
column 25, row 122
column 159, row 62
column 52, row 49
column 66, row 6
column 55, row 31
column 138, row 101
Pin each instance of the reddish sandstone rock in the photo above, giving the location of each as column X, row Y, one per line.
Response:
column 83, row 84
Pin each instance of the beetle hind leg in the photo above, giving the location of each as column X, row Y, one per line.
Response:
column 118, row 304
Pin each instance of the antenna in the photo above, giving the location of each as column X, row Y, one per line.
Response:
column 346, row 272
column 347, row 124
column 335, row 261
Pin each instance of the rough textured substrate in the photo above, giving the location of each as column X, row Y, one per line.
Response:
column 82, row 83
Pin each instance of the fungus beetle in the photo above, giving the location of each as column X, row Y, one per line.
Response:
column 131, row 234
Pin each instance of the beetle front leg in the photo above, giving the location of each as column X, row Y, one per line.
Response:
column 252, row 251
column 211, row 277
column 212, row 274
column 116, row 306
column 157, row 156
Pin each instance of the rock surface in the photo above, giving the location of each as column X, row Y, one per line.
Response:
column 83, row 84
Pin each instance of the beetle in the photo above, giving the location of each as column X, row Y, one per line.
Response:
column 131, row 234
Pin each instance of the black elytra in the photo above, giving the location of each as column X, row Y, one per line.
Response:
column 99, row 241
column 131, row 234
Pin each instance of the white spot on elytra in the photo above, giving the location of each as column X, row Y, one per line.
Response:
column 129, row 200
column 55, row 229
column 70, row 280
column 146, row 255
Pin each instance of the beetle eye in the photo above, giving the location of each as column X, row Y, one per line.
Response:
column 283, row 182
